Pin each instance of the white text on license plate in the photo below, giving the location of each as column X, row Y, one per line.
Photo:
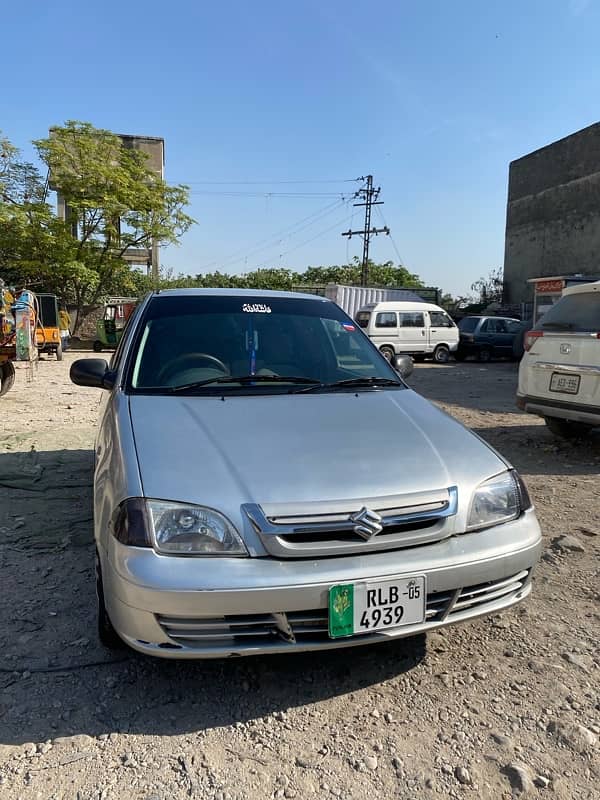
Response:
column 569, row 384
column 376, row 605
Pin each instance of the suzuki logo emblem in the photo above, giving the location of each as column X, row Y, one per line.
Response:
column 565, row 349
column 367, row 523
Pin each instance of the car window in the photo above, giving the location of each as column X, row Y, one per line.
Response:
column 386, row 319
column 488, row 326
column 468, row 324
column 362, row 318
column 573, row 312
column 440, row 320
column 409, row 319
column 183, row 339
column 512, row 326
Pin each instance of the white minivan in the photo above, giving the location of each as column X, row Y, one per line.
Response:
column 559, row 375
column 397, row 327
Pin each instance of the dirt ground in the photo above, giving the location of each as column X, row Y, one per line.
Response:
column 501, row 707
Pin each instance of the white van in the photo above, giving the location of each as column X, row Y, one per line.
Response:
column 409, row 327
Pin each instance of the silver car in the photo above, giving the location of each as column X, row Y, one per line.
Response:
column 266, row 481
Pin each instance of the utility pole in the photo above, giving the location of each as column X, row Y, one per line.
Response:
column 369, row 195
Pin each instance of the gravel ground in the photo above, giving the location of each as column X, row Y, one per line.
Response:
column 502, row 707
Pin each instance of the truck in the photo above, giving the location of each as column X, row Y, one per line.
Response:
column 353, row 298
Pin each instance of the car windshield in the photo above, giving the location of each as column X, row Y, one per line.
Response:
column 573, row 312
column 468, row 324
column 201, row 343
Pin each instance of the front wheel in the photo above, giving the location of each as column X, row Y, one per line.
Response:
column 7, row 377
column 387, row 352
column 441, row 354
column 567, row 429
column 484, row 355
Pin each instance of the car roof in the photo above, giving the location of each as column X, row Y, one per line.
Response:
column 583, row 288
column 399, row 305
column 490, row 316
column 238, row 293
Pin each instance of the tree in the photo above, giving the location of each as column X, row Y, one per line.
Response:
column 490, row 289
column 116, row 203
column 385, row 274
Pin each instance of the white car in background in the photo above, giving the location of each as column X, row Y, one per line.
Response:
column 559, row 375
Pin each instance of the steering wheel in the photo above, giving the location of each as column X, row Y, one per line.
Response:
column 187, row 361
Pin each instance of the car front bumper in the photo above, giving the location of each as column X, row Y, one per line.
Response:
column 177, row 607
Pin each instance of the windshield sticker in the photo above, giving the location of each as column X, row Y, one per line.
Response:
column 256, row 308
column 348, row 327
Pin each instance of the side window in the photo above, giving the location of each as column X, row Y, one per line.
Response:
column 487, row 326
column 501, row 326
column 513, row 327
column 362, row 319
column 440, row 320
column 386, row 319
column 411, row 319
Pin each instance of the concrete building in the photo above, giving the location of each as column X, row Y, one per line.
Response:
column 553, row 213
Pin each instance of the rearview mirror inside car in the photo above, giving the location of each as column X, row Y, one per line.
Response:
column 92, row 372
column 403, row 365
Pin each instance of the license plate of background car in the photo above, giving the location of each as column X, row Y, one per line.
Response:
column 375, row 605
column 568, row 384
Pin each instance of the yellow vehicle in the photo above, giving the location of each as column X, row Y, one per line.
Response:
column 47, row 334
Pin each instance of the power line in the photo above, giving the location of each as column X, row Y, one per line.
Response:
column 400, row 259
column 308, row 241
column 267, row 183
column 269, row 194
column 269, row 241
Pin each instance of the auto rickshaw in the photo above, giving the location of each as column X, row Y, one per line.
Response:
column 109, row 329
column 47, row 333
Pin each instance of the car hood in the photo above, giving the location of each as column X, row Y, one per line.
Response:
column 301, row 448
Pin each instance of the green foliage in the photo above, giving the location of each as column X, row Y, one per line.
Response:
column 490, row 289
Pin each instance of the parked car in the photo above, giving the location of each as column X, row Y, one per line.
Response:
column 487, row 337
column 415, row 328
column 266, row 481
column 559, row 375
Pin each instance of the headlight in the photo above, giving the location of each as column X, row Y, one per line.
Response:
column 499, row 499
column 180, row 528
column 176, row 528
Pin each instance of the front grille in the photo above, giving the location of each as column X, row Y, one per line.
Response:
column 311, row 627
column 336, row 528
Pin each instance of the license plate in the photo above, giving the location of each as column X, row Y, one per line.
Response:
column 568, row 384
column 375, row 605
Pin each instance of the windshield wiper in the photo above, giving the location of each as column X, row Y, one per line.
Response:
column 351, row 383
column 563, row 326
column 244, row 380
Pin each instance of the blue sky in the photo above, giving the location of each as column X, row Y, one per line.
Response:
column 434, row 98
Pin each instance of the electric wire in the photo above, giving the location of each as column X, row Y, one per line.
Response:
column 269, row 183
column 274, row 239
column 392, row 240
column 307, row 241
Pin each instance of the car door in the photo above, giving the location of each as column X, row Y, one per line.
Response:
column 441, row 329
column 412, row 333
column 385, row 328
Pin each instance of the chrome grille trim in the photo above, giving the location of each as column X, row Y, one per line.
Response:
column 281, row 526
column 311, row 626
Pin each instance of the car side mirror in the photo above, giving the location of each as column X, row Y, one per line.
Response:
column 404, row 365
column 92, row 372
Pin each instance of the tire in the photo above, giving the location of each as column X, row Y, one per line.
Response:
column 484, row 355
column 97, row 346
column 106, row 632
column 441, row 354
column 59, row 352
column 7, row 377
column 567, row 429
column 387, row 352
